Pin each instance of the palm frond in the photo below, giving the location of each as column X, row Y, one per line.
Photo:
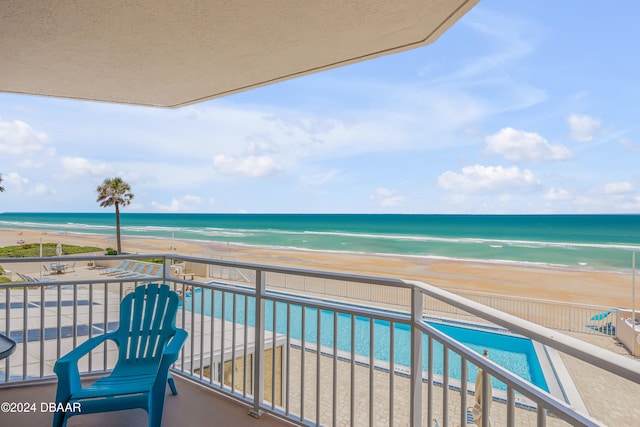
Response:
column 115, row 192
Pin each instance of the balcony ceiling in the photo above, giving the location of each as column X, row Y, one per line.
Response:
column 170, row 53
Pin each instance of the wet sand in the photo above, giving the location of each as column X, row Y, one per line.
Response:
column 581, row 286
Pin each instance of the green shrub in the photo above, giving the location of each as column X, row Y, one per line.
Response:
column 110, row 251
column 48, row 249
column 153, row 260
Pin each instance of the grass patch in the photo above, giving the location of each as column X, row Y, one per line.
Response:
column 3, row 278
column 48, row 249
column 153, row 260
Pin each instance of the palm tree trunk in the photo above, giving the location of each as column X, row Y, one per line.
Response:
column 118, row 229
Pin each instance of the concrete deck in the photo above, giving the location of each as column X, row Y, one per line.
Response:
column 194, row 406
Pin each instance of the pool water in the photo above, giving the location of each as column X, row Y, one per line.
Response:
column 515, row 353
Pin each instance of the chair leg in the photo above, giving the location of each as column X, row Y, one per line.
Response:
column 59, row 419
column 155, row 416
column 156, row 408
column 172, row 384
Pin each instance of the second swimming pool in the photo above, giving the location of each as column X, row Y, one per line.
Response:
column 515, row 353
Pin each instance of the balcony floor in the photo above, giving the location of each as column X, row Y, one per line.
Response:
column 194, row 406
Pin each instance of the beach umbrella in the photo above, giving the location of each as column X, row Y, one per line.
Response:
column 59, row 249
column 602, row 315
column 476, row 410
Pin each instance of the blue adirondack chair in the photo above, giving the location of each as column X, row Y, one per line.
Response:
column 148, row 343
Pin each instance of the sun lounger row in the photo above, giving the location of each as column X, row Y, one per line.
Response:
column 26, row 278
column 133, row 270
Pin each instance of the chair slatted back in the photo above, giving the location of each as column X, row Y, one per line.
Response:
column 146, row 323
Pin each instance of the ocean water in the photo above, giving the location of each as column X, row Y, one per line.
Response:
column 603, row 242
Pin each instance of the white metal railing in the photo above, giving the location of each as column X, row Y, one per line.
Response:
column 560, row 315
column 308, row 360
column 582, row 318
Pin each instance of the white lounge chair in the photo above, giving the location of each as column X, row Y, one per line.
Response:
column 118, row 267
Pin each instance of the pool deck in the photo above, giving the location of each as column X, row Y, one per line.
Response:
column 607, row 397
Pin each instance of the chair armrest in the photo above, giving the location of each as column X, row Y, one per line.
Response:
column 169, row 355
column 84, row 348
column 66, row 368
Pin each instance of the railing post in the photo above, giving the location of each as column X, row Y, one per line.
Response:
column 258, row 355
column 511, row 406
column 487, row 398
column 463, row 391
column 165, row 270
column 416, row 358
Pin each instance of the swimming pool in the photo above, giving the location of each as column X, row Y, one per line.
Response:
column 515, row 353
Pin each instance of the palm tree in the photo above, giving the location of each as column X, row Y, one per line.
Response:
column 1, row 187
column 114, row 191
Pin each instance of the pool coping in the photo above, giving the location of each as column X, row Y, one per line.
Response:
column 555, row 372
column 568, row 389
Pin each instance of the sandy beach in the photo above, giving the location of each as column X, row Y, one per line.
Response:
column 569, row 285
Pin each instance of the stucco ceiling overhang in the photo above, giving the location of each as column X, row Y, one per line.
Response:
column 169, row 53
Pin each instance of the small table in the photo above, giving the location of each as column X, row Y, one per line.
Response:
column 7, row 346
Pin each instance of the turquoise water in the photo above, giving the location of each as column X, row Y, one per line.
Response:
column 511, row 352
column 581, row 241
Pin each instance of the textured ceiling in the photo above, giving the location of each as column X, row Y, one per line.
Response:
column 171, row 53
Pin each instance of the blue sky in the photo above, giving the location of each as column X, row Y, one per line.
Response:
column 521, row 107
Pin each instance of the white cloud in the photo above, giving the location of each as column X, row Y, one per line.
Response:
column 478, row 178
column 611, row 197
column 517, row 145
column 307, row 125
column 629, row 144
column 257, row 146
column 318, row 179
column 15, row 180
column 509, row 39
column 30, row 164
column 18, row 138
column 387, row 198
column 618, row 188
column 250, row 166
column 79, row 166
column 599, row 203
column 181, row 204
column 583, row 128
column 398, row 121
column 40, row 190
column 20, row 185
column 557, row 194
